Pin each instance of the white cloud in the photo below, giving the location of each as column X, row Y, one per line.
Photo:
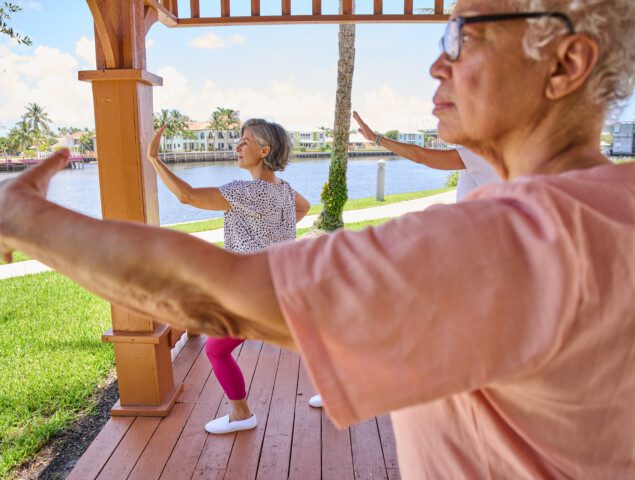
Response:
column 48, row 77
column 291, row 104
column 210, row 40
column 384, row 109
column 85, row 49
column 149, row 42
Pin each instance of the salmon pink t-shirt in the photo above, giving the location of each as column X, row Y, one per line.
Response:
column 500, row 331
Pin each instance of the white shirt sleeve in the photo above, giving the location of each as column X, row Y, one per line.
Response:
column 478, row 172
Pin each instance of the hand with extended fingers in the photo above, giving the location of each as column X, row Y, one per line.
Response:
column 153, row 148
column 31, row 184
column 364, row 129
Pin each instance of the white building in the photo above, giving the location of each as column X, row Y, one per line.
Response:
column 623, row 138
column 312, row 140
column 202, row 139
column 417, row 138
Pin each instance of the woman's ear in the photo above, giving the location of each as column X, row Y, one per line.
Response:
column 266, row 150
column 574, row 60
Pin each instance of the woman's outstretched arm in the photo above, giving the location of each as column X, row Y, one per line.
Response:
column 205, row 198
column 174, row 277
column 430, row 157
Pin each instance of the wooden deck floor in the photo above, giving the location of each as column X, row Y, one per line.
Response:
column 292, row 440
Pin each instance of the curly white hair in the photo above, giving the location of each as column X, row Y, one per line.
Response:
column 611, row 23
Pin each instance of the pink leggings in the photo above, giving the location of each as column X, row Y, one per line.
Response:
column 219, row 352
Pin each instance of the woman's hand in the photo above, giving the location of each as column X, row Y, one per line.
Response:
column 13, row 193
column 364, row 129
column 155, row 144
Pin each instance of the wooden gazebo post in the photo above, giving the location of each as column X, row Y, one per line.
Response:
column 122, row 96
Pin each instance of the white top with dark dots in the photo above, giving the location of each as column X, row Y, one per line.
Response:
column 262, row 213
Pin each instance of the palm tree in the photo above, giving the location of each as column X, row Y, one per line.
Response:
column 334, row 192
column 86, row 141
column 39, row 123
column 21, row 136
column 175, row 123
column 223, row 120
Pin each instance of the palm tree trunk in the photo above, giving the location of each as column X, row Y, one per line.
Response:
column 335, row 192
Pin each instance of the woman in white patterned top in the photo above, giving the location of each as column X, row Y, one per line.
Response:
column 258, row 213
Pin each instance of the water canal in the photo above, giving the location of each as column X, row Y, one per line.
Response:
column 79, row 189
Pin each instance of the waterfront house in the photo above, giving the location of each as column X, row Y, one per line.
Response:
column 200, row 137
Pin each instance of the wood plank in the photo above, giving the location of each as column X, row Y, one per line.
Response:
column 125, row 456
column 166, row 17
column 317, row 7
column 337, row 456
column 224, row 8
column 388, row 444
column 187, row 451
column 255, row 8
column 306, row 444
column 100, row 450
column 286, row 7
column 186, row 358
column 276, row 447
column 159, row 448
column 243, row 462
column 312, row 19
column 217, row 449
column 195, row 9
column 378, row 7
column 347, row 7
column 407, row 7
column 368, row 460
column 196, row 379
column 438, row 6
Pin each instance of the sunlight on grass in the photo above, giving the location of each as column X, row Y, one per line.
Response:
column 51, row 360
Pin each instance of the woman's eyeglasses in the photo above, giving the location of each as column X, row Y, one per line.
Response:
column 451, row 40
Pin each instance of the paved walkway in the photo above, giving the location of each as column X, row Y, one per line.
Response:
column 385, row 211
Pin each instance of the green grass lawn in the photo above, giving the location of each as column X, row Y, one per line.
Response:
column 51, row 360
column 354, row 204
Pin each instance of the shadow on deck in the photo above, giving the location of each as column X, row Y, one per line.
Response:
column 292, row 440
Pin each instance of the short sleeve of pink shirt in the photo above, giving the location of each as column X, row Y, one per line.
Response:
column 491, row 292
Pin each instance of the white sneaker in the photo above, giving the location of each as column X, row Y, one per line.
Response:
column 224, row 425
column 316, row 401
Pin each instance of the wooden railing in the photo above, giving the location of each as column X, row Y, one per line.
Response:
column 170, row 15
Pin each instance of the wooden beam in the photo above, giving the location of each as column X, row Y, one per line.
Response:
column 347, row 7
column 195, row 9
column 224, row 8
column 150, row 17
column 317, row 7
column 128, row 74
column 286, row 7
column 378, row 7
column 311, row 19
column 407, row 7
column 166, row 17
column 172, row 6
column 108, row 38
column 255, row 8
column 438, row 6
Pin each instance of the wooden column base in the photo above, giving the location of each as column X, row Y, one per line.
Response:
column 148, row 411
column 144, row 371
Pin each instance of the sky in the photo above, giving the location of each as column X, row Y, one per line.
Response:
column 286, row 73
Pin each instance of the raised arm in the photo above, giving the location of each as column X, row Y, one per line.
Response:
column 205, row 198
column 174, row 277
column 439, row 159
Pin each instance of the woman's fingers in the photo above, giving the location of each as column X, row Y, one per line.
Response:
column 153, row 148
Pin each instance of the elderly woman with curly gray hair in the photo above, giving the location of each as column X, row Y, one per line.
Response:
column 498, row 331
